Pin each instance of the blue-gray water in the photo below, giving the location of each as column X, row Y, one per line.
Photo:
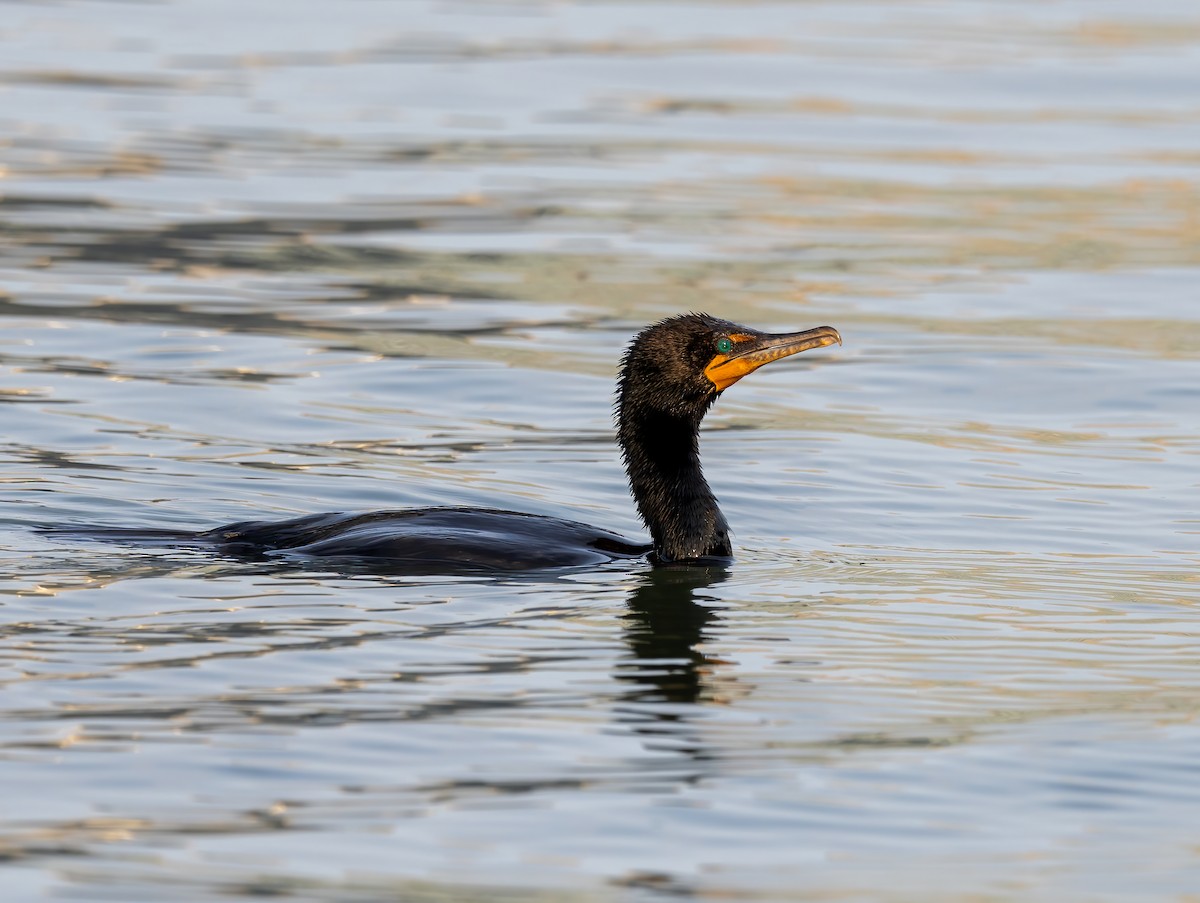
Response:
column 268, row 259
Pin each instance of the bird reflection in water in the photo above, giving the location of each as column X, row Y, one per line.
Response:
column 668, row 619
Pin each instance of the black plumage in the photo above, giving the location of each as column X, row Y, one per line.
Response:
column 670, row 376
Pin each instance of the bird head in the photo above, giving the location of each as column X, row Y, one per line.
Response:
column 680, row 365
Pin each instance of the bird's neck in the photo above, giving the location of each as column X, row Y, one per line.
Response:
column 662, row 460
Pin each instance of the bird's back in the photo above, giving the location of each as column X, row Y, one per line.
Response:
column 429, row 540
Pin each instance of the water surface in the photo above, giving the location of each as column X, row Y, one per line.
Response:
column 256, row 263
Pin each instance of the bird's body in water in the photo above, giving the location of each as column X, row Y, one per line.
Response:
column 670, row 376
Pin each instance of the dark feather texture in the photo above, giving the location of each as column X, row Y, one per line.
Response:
column 668, row 380
column 662, row 395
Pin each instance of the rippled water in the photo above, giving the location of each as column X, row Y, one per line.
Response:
column 258, row 259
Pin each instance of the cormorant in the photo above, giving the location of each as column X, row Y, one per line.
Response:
column 670, row 376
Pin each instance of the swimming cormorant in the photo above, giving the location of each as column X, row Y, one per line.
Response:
column 670, row 375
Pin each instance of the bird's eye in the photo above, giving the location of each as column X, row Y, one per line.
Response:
column 724, row 345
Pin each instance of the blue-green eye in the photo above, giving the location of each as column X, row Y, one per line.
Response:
column 724, row 346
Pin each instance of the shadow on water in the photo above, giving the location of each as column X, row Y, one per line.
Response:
column 668, row 618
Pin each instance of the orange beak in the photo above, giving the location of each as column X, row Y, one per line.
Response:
column 751, row 350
